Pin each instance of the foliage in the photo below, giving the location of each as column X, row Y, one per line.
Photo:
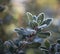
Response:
column 39, row 23
column 29, row 37
column 47, row 44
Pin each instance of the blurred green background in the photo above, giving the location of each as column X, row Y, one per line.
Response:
column 14, row 16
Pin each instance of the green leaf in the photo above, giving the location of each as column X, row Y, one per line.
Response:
column 35, row 18
column 40, row 18
column 47, row 43
column 34, row 45
column 30, row 17
column 44, row 34
column 33, row 24
column 47, row 21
